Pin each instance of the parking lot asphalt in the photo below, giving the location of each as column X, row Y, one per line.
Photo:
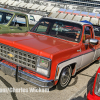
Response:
column 77, row 89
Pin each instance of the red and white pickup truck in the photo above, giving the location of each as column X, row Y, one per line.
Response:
column 52, row 52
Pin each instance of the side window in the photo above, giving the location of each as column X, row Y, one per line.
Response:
column 87, row 33
column 19, row 21
column 32, row 18
column 5, row 17
column 43, row 26
column 8, row 17
column 87, row 30
column 96, row 30
column 0, row 17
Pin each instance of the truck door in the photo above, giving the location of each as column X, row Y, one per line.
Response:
column 18, row 24
column 88, row 50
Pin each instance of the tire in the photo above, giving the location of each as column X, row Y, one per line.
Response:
column 98, row 61
column 65, row 78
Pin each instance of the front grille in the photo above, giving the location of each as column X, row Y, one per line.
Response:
column 18, row 56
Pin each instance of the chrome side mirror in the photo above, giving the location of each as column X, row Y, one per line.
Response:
column 93, row 41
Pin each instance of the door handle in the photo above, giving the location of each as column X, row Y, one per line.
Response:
column 79, row 50
column 11, row 28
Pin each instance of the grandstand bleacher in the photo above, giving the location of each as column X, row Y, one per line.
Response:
column 76, row 10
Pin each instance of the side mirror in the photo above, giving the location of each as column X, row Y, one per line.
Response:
column 93, row 41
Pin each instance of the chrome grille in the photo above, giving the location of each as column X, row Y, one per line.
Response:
column 18, row 56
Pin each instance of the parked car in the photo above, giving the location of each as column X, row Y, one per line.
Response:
column 33, row 19
column 13, row 22
column 51, row 53
column 96, row 88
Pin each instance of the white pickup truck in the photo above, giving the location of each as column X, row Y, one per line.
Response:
column 33, row 19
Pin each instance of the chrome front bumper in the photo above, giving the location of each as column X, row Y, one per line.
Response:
column 38, row 82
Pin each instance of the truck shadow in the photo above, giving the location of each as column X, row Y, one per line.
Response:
column 8, row 85
column 80, row 98
column 81, row 95
column 88, row 88
column 74, row 82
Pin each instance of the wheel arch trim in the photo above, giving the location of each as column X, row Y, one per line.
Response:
column 61, row 65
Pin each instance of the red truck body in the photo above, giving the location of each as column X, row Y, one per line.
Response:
column 94, row 96
column 56, row 51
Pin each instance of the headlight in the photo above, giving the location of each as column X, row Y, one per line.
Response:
column 43, row 66
column 97, row 86
column 44, row 63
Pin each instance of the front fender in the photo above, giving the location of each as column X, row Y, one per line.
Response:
column 60, row 66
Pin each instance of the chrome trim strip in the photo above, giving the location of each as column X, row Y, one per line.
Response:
column 61, row 65
column 77, row 60
column 38, row 82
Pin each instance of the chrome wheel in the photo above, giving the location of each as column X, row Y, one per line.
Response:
column 65, row 78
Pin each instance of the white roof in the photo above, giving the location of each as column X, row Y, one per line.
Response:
column 86, row 18
column 55, row 9
column 95, row 10
column 54, row 15
column 77, row 18
column 48, row 8
column 82, row 23
column 29, row 5
column 35, row 6
column 15, row 3
column 41, row 7
column 73, row 7
column 61, row 15
column 94, row 21
column 50, row 3
column 99, row 22
column 69, row 17
column 22, row 4
column 3, row 1
column 9, row 2
column 37, row 17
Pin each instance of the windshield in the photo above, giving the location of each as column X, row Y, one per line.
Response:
column 96, row 30
column 5, row 17
column 60, row 29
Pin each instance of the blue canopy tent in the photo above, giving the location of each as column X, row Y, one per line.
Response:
column 85, row 21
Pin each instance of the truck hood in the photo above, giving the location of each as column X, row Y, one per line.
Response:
column 36, row 43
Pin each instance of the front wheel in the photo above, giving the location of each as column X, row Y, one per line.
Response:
column 65, row 78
